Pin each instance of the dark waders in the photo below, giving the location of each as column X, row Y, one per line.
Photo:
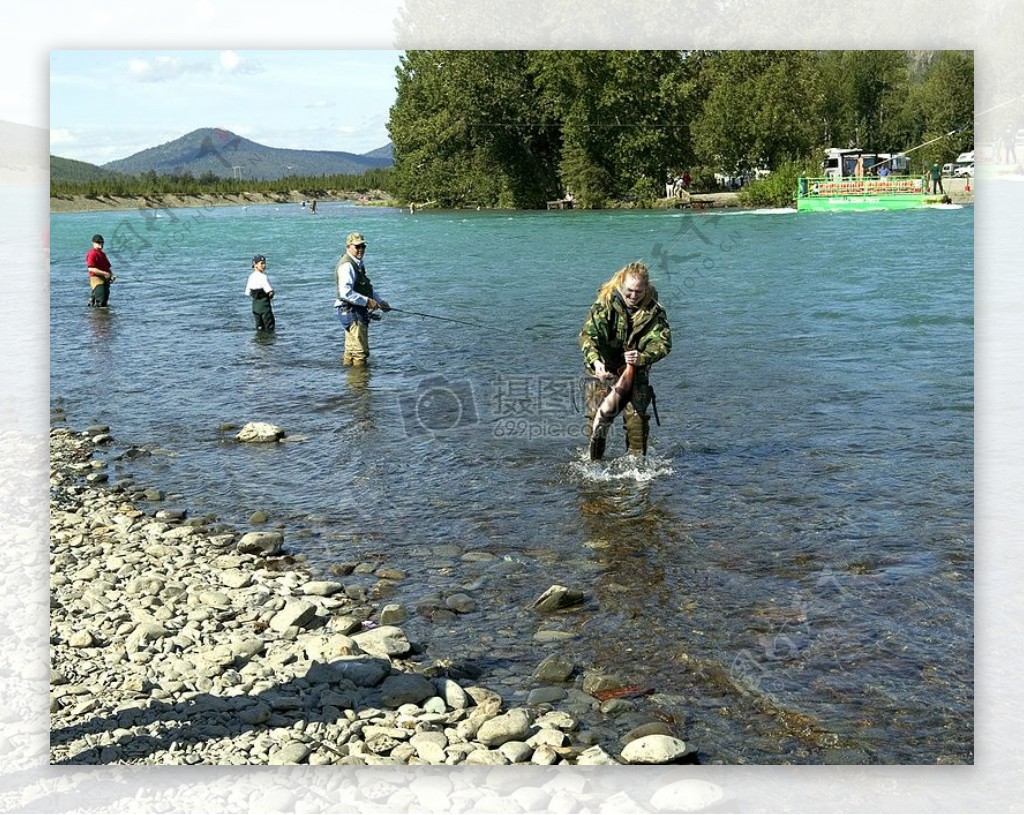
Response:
column 100, row 292
column 262, row 312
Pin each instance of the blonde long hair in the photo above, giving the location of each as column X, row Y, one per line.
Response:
column 635, row 269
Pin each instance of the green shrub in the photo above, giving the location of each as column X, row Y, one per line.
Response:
column 779, row 188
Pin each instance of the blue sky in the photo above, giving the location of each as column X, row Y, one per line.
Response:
column 106, row 105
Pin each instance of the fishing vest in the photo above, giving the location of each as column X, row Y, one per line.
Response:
column 362, row 285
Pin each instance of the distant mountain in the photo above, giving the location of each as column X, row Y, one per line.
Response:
column 387, row 151
column 69, row 169
column 228, row 155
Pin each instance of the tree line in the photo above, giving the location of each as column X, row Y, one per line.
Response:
column 185, row 183
column 519, row 128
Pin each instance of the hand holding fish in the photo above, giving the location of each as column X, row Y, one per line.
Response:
column 600, row 371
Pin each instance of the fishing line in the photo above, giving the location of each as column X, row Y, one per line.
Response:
column 447, row 319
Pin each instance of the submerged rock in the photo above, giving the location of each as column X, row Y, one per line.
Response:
column 555, row 668
column 557, row 598
column 260, row 432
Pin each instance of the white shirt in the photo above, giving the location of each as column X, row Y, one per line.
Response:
column 257, row 281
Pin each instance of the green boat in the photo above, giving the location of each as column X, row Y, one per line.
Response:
column 856, row 180
column 863, row 194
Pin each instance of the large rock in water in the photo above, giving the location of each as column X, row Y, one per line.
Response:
column 557, row 598
column 655, row 749
column 260, row 432
column 261, row 543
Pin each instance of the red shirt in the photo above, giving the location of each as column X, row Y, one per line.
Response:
column 97, row 259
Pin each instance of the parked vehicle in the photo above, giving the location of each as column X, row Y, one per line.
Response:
column 964, row 170
column 840, row 163
column 948, row 169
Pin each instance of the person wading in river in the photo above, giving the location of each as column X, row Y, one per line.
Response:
column 627, row 326
column 356, row 300
column 100, row 276
column 259, row 289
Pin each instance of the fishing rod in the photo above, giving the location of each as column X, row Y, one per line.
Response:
column 959, row 129
column 445, row 319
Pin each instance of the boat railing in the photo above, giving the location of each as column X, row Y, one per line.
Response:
column 863, row 185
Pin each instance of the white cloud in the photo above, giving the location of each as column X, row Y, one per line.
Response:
column 159, row 69
column 61, row 136
column 164, row 68
column 320, row 103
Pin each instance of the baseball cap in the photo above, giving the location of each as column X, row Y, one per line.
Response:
column 355, row 239
column 259, row 259
column 97, row 239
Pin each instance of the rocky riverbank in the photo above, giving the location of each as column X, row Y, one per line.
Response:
column 178, row 641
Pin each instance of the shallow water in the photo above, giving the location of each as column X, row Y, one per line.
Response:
column 791, row 568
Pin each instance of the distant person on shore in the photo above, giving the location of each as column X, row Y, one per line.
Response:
column 936, row 173
column 259, row 289
column 312, row 207
column 626, row 326
column 356, row 301
column 100, row 276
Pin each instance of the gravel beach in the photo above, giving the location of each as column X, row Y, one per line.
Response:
column 176, row 641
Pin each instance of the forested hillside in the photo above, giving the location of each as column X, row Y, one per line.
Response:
column 517, row 128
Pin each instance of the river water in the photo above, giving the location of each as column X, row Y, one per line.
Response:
column 792, row 567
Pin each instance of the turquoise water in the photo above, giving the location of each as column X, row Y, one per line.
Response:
column 791, row 569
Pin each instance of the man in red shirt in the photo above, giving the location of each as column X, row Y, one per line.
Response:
column 100, row 276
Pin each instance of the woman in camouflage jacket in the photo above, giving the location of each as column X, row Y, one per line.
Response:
column 626, row 324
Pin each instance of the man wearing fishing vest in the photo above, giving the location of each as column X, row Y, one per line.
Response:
column 357, row 300
column 626, row 326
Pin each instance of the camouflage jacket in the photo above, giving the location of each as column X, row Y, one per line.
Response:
column 610, row 330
